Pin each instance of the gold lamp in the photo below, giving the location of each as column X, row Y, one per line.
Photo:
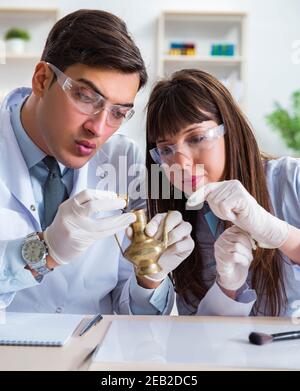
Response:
column 144, row 251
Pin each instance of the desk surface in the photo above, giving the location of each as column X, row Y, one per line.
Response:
column 75, row 355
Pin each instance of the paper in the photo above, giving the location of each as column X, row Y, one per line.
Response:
column 223, row 344
column 37, row 329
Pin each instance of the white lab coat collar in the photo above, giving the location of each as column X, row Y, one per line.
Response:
column 13, row 167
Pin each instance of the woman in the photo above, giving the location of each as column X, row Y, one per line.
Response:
column 246, row 260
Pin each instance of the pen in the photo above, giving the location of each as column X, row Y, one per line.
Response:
column 88, row 356
column 96, row 319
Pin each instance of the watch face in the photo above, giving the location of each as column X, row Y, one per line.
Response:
column 33, row 251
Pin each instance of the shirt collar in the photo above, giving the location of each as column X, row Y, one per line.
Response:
column 31, row 152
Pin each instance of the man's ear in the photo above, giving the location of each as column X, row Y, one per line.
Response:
column 41, row 79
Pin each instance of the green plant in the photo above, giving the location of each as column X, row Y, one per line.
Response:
column 17, row 33
column 287, row 123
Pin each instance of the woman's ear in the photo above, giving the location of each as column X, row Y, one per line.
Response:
column 41, row 79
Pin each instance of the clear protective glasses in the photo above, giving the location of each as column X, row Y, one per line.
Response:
column 90, row 102
column 192, row 146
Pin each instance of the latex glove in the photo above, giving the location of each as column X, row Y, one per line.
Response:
column 233, row 253
column 74, row 229
column 180, row 243
column 229, row 200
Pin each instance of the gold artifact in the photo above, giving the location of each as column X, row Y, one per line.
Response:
column 145, row 251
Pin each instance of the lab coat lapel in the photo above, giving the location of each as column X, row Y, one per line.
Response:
column 81, row 176
column 13, row 169
column 79, row 180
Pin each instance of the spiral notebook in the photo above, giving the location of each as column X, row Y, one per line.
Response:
column 36, row 329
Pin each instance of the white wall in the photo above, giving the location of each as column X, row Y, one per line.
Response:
column 273, row 27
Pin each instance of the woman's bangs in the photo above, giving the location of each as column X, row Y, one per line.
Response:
column 176, row 111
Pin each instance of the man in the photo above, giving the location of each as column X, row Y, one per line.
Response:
column 58, row 252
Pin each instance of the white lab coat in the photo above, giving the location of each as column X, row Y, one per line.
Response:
column 97, row 282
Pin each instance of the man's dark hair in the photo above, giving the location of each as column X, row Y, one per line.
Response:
column 94, row 38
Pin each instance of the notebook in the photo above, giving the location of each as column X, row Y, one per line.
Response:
column 218, row 344
column 36, row 329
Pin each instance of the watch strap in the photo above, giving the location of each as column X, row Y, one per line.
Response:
column 41, row 267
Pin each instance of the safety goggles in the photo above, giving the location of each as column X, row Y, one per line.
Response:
column 192, row 146
column 90, row 102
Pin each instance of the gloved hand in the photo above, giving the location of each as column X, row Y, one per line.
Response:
column 233, row 253
column 180, row 243
column 229, row 200
column 74, row 229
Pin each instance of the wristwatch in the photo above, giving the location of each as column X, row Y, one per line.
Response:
column 34, row 253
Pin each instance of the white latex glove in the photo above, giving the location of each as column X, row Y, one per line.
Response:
column 233, row 253
column 180, row 243
column 229, row 200
column 74, row 229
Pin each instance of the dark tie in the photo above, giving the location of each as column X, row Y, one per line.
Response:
column 55, row 191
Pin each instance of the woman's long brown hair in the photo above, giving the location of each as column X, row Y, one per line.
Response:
column 192, row 96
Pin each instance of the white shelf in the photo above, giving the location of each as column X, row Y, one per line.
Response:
column 23, row 56
column 206, row 59
column 29, row 10
column 178, row 13
column 208, row 16
column 19, row 67
column 204, row 29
